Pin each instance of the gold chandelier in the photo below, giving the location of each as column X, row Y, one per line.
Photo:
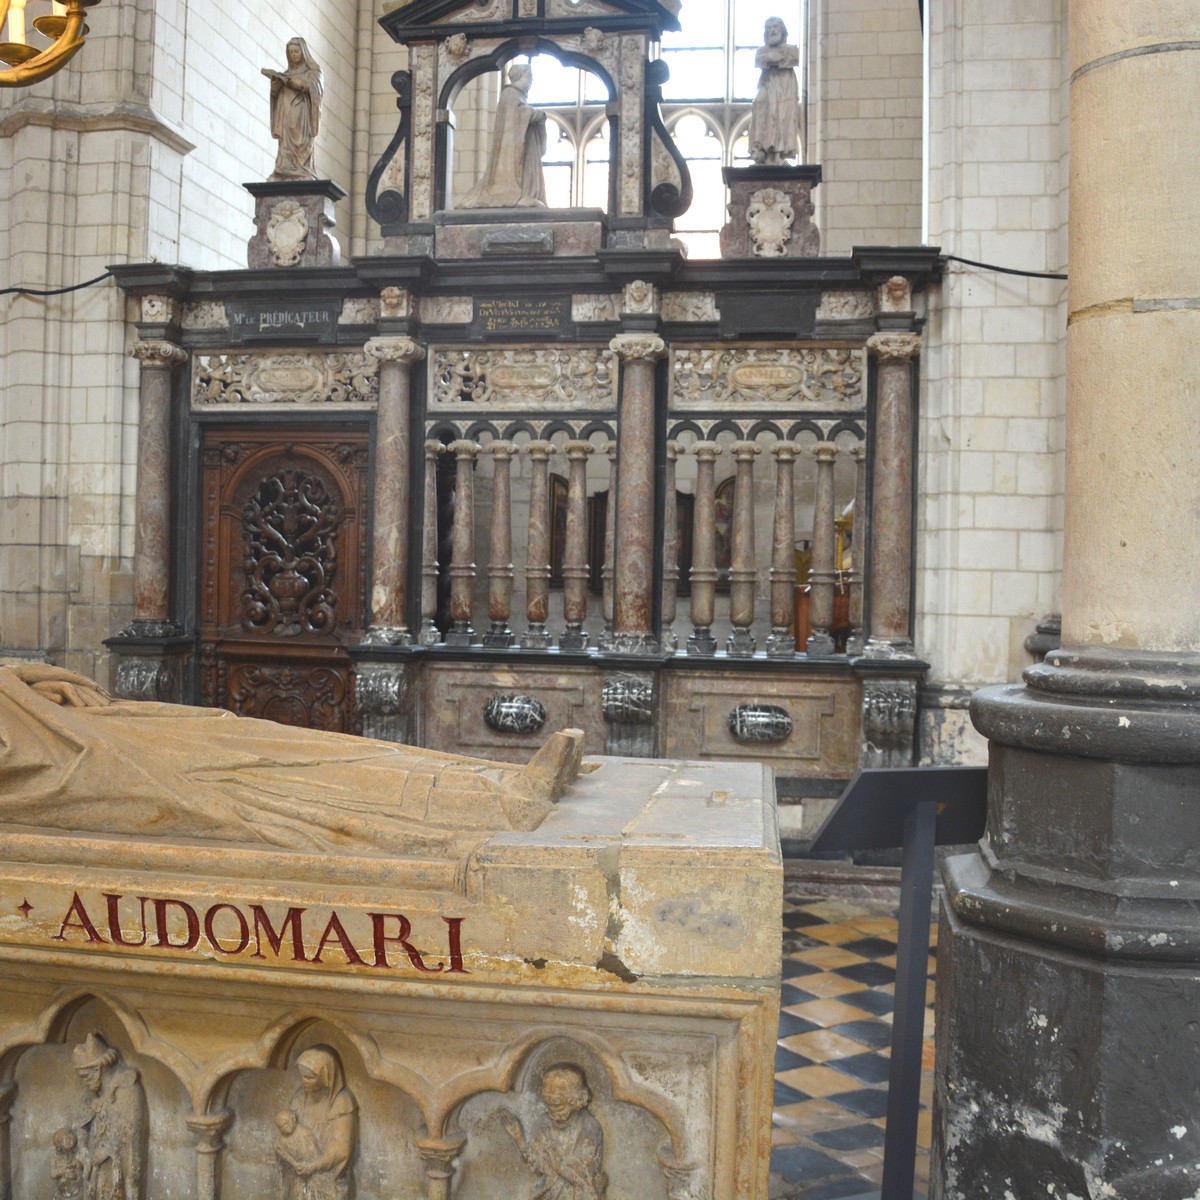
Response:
column 63, row 28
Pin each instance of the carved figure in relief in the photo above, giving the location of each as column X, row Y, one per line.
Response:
column 775, row 113
column 296, row 95
column 74, row 760
column 513, row 177
column 68, row 1167
column 565, row 1148
column 113, row 1126
column 316, row 1147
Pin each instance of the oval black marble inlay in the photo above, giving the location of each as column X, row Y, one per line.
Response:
column 514, row 713
column 760, row 723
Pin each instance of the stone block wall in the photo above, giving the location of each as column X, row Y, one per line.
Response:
column 991, row 452
column 864, row 122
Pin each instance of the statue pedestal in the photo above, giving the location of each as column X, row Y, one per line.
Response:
column 519, row 232
column 292, row 219
column 770, row 212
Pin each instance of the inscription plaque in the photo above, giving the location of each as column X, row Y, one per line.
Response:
column 524, row 314
column 307, row 322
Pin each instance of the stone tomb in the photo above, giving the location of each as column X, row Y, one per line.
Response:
column 242, row 960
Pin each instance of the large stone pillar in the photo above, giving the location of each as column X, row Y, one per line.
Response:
column 151, row 648
column 1069, row 962
column 633, row 602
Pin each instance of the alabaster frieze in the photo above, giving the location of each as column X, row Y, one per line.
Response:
column 819, row 378
column 285, row 377
column 520, row 377
column 845, row 306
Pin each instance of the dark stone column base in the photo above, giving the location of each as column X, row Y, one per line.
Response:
column 630, row 714
column 152, row 658
column 386, row 695
column 889, row 721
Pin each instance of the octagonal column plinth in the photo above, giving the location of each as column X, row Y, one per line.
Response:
column 704, row 550
column 892, row 497
column 743, row 577
column 782, row 642
column 389, row 546
column 537, row 553
column 633, row 602
column 575, row 567
column 462, row 559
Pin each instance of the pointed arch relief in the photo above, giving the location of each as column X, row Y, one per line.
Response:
column 567, row 1103
column 98, row 1100
column 318, row 1108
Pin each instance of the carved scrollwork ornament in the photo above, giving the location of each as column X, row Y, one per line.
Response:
column 894, row 347
column 157, row 353
column 397, row 350
column 638, row 346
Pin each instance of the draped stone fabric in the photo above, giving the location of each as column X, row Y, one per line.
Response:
column 296, row 112
column 75, row 760
column 513, row 178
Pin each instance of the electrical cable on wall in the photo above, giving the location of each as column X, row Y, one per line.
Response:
column 970, row 262
column 22, row 291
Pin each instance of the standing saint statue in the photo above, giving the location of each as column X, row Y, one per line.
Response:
column 295, row 111
column 113, row 1127
column 318, row 1131
column 513, row 178
column 775, row 115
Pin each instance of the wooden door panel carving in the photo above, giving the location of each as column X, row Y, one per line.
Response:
column 283, row 572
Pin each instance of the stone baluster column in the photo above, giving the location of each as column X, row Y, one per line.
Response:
column 8, row 1093
column 892, row 497
column 1084, row 893
column 743, row 575
column 633, row 605
column 462, row 561
column 782, row 642
column 608, row 572
column 575, row 569
column 429, row 635
column 152, row 517
column 822, row 576
column 208, row 1129
column 858, row 550
column 704, row 550
column 500, row 568
column 670, row 588
column 389, row 546
column 437, row 1157
column 537, row 548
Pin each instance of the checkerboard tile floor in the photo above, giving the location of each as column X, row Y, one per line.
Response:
column 831, row 1061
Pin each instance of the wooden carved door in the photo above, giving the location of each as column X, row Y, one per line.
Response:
column 282, row 587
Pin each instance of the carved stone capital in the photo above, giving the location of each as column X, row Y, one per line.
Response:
column 208, row 1129
column 785, row 451
column 674, row 449
column 610, row 449
column 501, row 450
column 158, row 353
column 745, row 451
column 706, row 451
column 825, row 451
column 394, row 349
column 894, row 347
column 433, row 449
column 858, row 451
column 539, row 450
column 463, row 448
column 438, row 1155
column 579, row 450
column 638, row 346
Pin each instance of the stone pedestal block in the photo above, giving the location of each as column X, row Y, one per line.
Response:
column 770, row 212
column 292, row 220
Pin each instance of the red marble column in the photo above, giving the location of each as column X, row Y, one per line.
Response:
column 670, row 587
column 462, row 560
column 858, row 550
column 389, row 546
column 782, row 642
column 704, row 550
column 743, row 575
column 500, row 568
column 537, row 561
column 429, row 635
column 608, row 571
column 633, row 604
column 890, row 585
column 152, row 538
column 822, row 576
column 575, row 568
